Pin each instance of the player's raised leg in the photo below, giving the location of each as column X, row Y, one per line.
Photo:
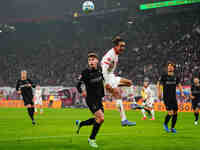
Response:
column 125, row 122
column 117, row 95
column 109, row 63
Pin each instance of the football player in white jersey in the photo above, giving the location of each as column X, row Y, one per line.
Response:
column 38, row 99
column 146, row 93
column 112, row 82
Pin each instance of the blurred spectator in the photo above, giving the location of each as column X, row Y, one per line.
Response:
column 55, row 52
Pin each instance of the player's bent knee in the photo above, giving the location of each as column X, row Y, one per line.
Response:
column 101, row 119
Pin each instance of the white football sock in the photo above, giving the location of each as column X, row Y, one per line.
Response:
column 121, row 109
column 143, row 112
column 153, row 113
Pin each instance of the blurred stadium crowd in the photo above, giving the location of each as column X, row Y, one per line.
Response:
column 55, row 51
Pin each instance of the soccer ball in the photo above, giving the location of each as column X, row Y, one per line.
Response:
column 88, row 6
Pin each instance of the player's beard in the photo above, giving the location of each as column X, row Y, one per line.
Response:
column 93, row 66
column 170, row 72
column 24, row 78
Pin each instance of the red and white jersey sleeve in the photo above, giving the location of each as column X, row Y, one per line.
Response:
column 109, row 62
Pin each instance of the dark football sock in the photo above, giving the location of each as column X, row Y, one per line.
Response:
column 95, row 130
column 167, row 118
column 87, row 122
column 30, row 112
column 196, row 116
column 174, row 118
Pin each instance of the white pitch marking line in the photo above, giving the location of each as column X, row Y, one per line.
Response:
column 51, row 137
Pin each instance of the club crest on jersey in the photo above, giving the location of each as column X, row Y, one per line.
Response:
column 109, row 59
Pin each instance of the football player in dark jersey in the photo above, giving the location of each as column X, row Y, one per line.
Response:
column 170, row 81
column 92, row 77
column 24, row 87
column 195, row 96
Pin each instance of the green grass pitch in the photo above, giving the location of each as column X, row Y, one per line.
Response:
column 55, row 130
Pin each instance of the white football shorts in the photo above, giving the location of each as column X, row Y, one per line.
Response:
column 112, row 80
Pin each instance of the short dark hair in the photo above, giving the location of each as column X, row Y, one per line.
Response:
column 93, row 54
column 23, row 71
column 171, row 63
column 116, row 40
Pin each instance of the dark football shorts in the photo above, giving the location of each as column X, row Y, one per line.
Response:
column 171, row 105
column 95, row 104
column 28, row 101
